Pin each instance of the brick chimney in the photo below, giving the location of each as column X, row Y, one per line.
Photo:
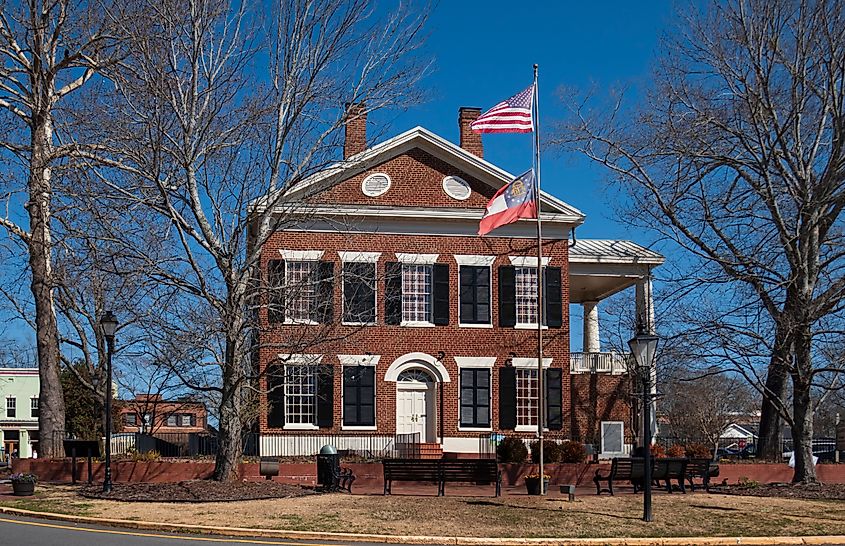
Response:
column 356, row 129
column 470, row 141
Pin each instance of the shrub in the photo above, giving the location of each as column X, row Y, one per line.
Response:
column 698, row 451
column 551, row 451
column 676, row 450
column 572, row 452
column 145, row 457
column 658, row 451
column 512, row 450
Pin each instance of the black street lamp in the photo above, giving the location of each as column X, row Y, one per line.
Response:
column 109, row 324
column 644, row 348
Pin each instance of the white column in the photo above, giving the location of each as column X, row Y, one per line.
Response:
column 645, row 316
column 592, row 344
column 23, row 446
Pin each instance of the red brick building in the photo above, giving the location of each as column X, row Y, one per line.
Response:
column 386, row 314
column 151, row 413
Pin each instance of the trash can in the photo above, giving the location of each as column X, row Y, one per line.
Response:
column 328, row 467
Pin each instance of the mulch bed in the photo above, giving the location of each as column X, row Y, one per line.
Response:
column 196, row 491
column 832, row 491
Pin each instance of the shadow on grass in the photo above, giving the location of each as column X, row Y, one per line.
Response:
column 553, row 510
column 717, row 508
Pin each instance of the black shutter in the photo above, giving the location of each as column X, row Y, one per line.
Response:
column 276, row 291
column 359, row 296
column 507, row 296
column 440, row 293
column 554, row 399
column 359, row 396
column 275, row 396
column 324, row 311
column 325, row 396
column 392, row 293
column 507, row 398
column 554, row 307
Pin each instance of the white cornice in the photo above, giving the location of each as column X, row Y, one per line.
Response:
column 416, row 259
column 528, row 261
column 302, row 255
column 475, row 361
column 359, row 360
column 477, row 260
column 366, row 257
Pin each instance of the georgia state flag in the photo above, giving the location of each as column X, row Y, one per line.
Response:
column 512, row 202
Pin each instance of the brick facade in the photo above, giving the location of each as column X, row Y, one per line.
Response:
column 416, row 181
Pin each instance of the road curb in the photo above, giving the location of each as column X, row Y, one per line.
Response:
column 241, row 532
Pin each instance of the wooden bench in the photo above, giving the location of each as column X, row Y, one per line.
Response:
column 668, row 469
column 411, row 470
column 702, row 469
column 477, row 471
column 629, row 469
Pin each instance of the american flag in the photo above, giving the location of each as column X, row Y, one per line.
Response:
column 509, row 116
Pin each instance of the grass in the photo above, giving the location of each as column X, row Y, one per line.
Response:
column 697, row 514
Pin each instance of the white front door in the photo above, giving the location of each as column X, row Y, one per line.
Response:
column 413, row 408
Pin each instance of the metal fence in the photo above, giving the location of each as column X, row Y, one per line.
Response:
column 172, row 444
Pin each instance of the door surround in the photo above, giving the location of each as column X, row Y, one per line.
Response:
column 433, row 391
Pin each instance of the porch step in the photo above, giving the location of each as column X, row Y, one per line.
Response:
column 431, row 451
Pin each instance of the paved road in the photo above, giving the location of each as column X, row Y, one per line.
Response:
column 32, row 532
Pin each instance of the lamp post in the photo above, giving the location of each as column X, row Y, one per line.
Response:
column 109, row 324
column 644, row 347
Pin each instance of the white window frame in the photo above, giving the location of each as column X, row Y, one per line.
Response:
column 531, row 427
column 182, row 418
column 476, row 261
column 315, row 264
column 461, row 182
column 376, row 194
column 312, row 367
column 487, row 362
column 354, row 361
column 358, row 257
column 34, row 404
column 419, row 323
column 13, row 405
column 175, row 418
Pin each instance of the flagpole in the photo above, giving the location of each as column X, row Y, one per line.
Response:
column 541, row 395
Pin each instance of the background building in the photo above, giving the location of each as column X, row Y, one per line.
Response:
column 19, row 388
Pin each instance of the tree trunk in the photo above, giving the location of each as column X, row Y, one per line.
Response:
column 230, row 434
column 802, row 411
column 770, row 435
column 51, row 421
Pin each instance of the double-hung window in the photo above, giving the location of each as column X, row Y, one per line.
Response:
column 300, row 395
column 33, row 407
column 130, row 419
column 187, row 420
column 416, row 293
column 475, row 294
column 172, row 420
column 300, row 289
column 526, row 295
column 11, row 407
column 359, row 293
column 359, row 396
column 527, row 399
column 475, row 397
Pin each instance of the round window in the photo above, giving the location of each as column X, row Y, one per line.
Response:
column 375, row 184
column 456, row 188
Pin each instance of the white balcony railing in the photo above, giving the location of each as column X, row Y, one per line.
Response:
column 612, row 363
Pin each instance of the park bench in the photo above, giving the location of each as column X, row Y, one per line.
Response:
column 668, row 469
column 477, row 471
column 621, row 469
column 702, row 469
column 411, row 470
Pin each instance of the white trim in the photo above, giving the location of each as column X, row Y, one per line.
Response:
column 461, row 182
column 352, row 427
column 527, row 326
column 359, row 360
column 525, row 428
column 476, row 260
column 601, row 436
column 417, row 259
column 378, row 193
column 528, row 261
column 417, row 323
column 475, row 361
column 526, row 362
column 463, row 325
column 300, row 426
column 302, row 255
column 359, row 257
column 300, row 359
column 411, row 360
column 307, row 322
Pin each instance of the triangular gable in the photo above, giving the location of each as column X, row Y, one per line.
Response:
column 432, row 144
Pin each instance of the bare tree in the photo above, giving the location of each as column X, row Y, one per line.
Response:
column 223, row 113
column 736, row 156
column 50, row 50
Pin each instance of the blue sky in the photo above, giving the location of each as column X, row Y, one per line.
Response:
column 483, row 53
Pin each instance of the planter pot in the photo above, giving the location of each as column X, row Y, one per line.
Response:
column 532, row 485
column 23, row 489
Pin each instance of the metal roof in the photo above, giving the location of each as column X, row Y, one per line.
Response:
column 609, row 251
